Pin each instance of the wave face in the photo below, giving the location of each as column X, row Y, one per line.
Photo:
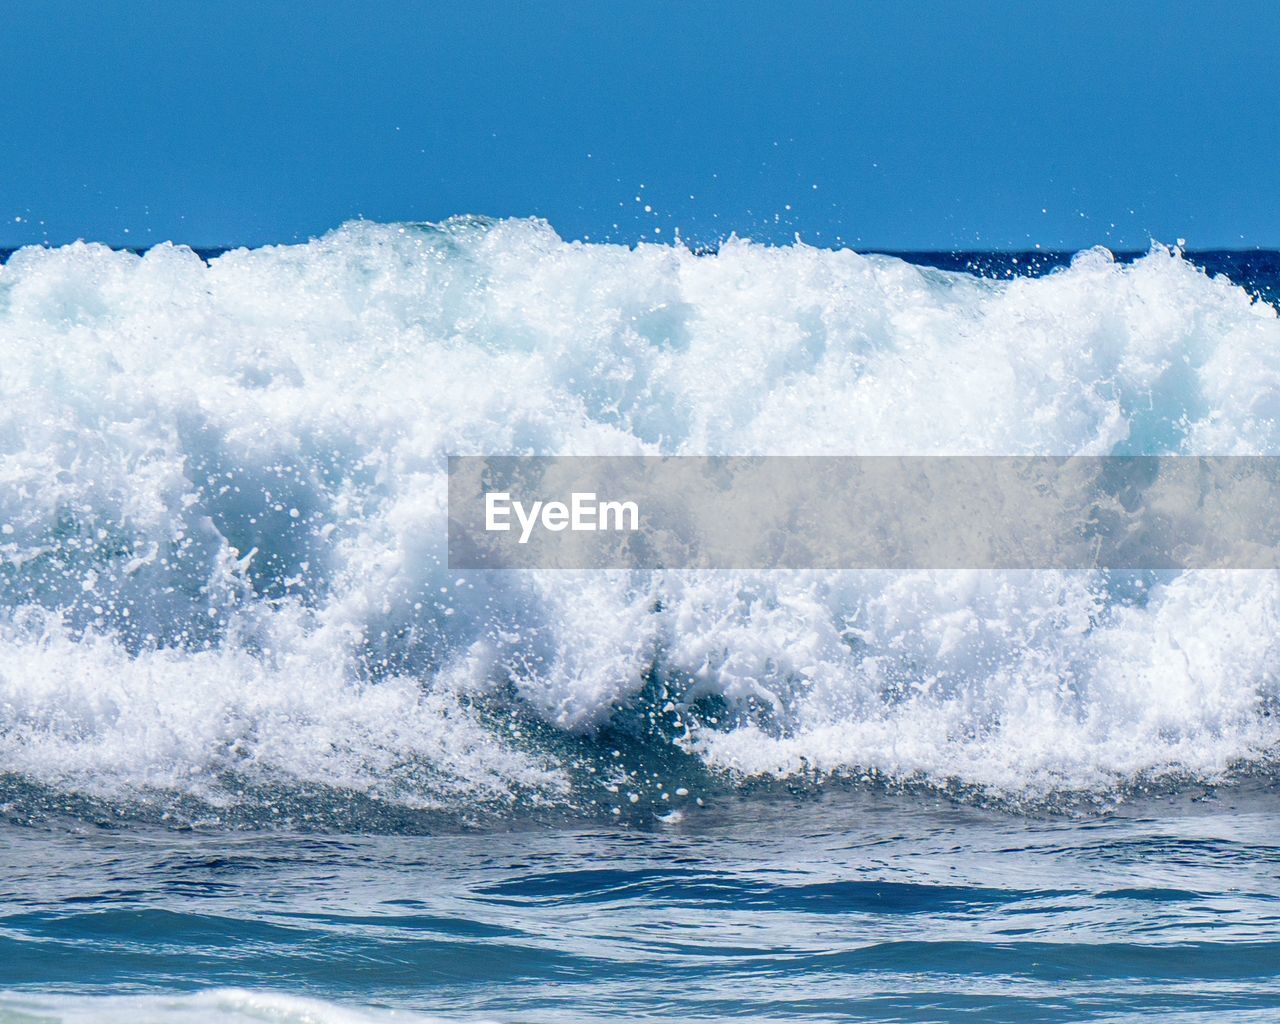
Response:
column 223, row 583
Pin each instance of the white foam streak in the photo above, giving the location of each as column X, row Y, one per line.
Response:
column 232, row 1005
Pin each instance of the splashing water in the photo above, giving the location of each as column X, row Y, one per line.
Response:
column 223, row 586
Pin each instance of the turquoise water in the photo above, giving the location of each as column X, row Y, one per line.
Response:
column 842, row 906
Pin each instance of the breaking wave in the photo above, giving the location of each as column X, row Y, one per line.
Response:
column 223, row 581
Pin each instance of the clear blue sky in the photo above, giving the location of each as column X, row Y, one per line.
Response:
column 923, row 125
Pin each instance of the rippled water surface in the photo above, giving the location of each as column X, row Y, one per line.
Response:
column 845, row 906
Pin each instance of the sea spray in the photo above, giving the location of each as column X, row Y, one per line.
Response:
column 223, row 563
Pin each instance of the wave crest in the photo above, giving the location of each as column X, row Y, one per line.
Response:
column 222, row 497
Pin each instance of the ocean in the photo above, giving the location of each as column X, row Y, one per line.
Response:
column 265, row 757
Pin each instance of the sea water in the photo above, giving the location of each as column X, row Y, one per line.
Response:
column 265, row 756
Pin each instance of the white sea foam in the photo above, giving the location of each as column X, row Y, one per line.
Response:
column 235, row 1006
column 222, row 497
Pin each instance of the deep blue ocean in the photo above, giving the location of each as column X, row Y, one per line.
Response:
column 264, row 757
